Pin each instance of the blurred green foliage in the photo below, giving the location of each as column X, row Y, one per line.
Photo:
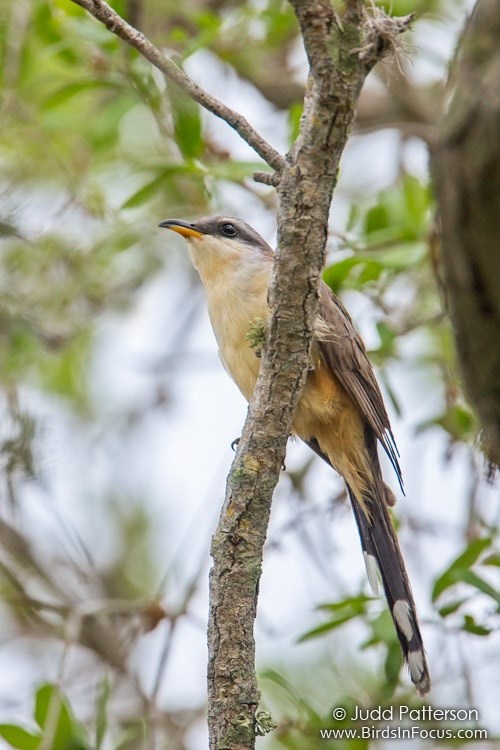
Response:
column 57, row 727
column 96, row 148
column 393, row 236
column 94, row 145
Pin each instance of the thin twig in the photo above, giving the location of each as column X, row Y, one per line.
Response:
column 117, row 25
column 266, row 178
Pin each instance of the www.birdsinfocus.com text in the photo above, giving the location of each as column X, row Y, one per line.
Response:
column 405, row 723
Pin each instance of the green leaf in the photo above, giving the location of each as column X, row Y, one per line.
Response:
column 377, row 218
column 152, row 188
column 449, row 578
column 43, row 698
column 131, row 737
column 19, row 738
column 459, row 422
column 471, row 554
column 65, row 373
column 144, row 194
column 187, row 123
column 64, row 93
column 344, row 611
column 471, row 626
column 416, row 196
column 275, row 677
column 359, row 270
column 336, row 274
column 357, row 603
column 292, row 694
column 101, row 712
column 326, row 627
column 8, row 230
column 53, row 715
column 294, row 115
column 236, row 171
column 455, row 572
column 449, row 609
column 382, row 630
column 280, row 22
column 468, row 576
column 400, row 256
column 405, row 7
column 393, row 663
column 493, row 559
column 354, row 217
column 400, row 215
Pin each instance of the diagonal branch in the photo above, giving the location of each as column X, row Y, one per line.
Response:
column 117, row 25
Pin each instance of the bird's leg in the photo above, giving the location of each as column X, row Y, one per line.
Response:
column 236, row 442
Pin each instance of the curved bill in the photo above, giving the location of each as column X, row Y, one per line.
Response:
column 183, row 228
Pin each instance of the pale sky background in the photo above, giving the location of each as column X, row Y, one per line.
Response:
column 177, row 461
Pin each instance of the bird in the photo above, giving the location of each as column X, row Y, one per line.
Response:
column 340, row 415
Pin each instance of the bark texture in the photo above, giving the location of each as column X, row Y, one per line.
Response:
column 341, row 52
column 466, row 167
column 340, row 56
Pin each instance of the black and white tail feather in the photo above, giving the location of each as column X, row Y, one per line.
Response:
column 383, row 560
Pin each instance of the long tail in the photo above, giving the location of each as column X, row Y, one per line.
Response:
column 383, row 557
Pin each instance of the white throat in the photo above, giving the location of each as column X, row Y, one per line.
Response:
column 236, row 279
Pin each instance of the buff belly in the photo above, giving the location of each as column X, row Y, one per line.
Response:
column 325, row 412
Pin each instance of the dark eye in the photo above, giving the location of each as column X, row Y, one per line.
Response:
column 229, row 230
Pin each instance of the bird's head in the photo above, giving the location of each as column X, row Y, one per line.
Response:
column 216, row 242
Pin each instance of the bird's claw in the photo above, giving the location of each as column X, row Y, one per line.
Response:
column 235, row 444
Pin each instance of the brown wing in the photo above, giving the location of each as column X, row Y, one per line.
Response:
column 345, row 354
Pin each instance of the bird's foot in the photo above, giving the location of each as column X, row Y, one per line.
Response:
column 236, row 442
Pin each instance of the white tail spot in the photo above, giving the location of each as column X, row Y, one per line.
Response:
column 401, row 613
column 372, row 572
column 416, row 665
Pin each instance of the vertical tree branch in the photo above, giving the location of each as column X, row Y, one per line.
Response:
column 341, row 53
column 466, row 168
column 340, row 57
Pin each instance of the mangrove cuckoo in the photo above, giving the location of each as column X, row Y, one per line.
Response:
column 341, row 413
